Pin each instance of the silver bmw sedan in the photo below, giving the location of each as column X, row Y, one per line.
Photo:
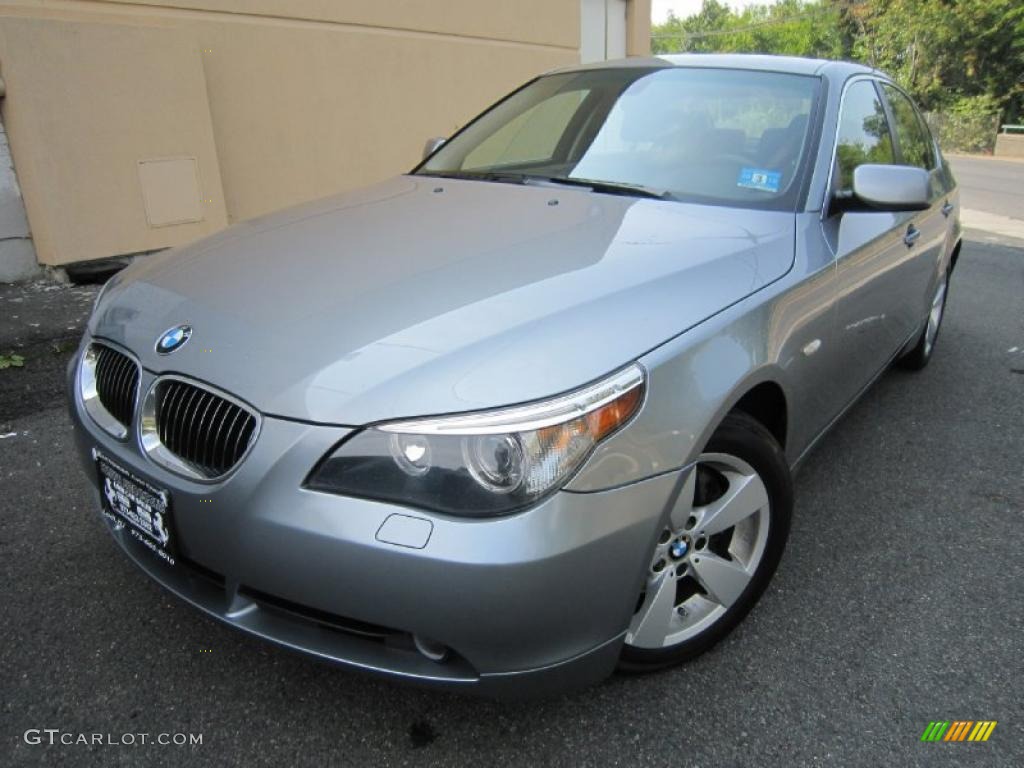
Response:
column 529, row 412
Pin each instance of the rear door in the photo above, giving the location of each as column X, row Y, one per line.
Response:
column 927, row 230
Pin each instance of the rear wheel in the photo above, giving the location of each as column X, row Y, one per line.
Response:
column 718, row 550
column 918, row 357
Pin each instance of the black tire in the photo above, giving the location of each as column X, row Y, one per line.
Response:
column 746, row 438
column 921, row 353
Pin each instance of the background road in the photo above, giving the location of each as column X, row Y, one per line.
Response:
column 990, row 184
column 897, row 602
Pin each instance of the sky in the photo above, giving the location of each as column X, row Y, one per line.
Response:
column 684, row 8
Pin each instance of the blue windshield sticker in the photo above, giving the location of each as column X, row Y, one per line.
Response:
column 756, row 178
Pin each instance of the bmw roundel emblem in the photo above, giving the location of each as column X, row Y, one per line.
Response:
column 173, row 339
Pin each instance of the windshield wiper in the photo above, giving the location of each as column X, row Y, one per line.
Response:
column 502, row 176
column 612, row 187
column 509, row 177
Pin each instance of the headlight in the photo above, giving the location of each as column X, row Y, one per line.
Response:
column 486, row 463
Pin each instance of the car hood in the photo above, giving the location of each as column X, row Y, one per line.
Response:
column 423, row 295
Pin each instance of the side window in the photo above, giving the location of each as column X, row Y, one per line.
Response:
column 915, row 141
column 863, row 132
column 531, row 137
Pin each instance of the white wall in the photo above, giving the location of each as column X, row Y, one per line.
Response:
column 602, row 30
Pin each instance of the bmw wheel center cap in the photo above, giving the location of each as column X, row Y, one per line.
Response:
column 173, row 338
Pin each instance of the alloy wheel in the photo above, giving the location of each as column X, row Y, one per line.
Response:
column 706, row 557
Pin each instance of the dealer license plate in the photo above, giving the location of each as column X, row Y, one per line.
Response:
column 138, row 506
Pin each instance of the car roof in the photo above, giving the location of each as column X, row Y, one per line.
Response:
column 796, row 65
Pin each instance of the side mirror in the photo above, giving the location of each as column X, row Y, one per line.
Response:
column 892, row 187
column 433, row 145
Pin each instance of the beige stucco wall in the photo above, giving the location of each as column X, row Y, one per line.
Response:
column 638, row 28
column 278, row 101
column 85, row 103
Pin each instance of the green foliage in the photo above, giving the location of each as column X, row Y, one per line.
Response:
column 793, row 27
column 11, row 361
column 970, row 125
column 982, row 105
column 964, row 57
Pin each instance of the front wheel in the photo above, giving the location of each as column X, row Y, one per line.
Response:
column 719, row 549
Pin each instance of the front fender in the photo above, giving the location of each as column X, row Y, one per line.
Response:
column 693, row 382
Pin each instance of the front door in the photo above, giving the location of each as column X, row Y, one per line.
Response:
column 929, row 227
column 876, row 265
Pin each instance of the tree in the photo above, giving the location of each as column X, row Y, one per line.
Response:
column 967, row 54
column 794, row 27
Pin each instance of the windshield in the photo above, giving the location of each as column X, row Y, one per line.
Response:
column 728, row 137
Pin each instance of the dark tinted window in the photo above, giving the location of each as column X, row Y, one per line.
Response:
column 863, row 132
column 915, row 142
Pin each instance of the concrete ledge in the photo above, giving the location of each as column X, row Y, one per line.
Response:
column 17, row 251
column 992, row 222
column 1010, row 145
column 18, row 260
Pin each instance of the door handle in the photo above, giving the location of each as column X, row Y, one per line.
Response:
column 947, row 209
column 912, row 234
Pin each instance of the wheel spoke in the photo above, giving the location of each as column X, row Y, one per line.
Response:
column 683, row 507
column 650, row 625
column 935, row 316
column 723, row 579
column 746, row 495
column 940, row 294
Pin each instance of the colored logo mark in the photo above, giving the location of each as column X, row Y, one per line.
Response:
column 958, row 730
column 172, row 339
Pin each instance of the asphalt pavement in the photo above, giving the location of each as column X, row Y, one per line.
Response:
column 897, row 602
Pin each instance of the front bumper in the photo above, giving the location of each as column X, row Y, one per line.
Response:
column 534, row 602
